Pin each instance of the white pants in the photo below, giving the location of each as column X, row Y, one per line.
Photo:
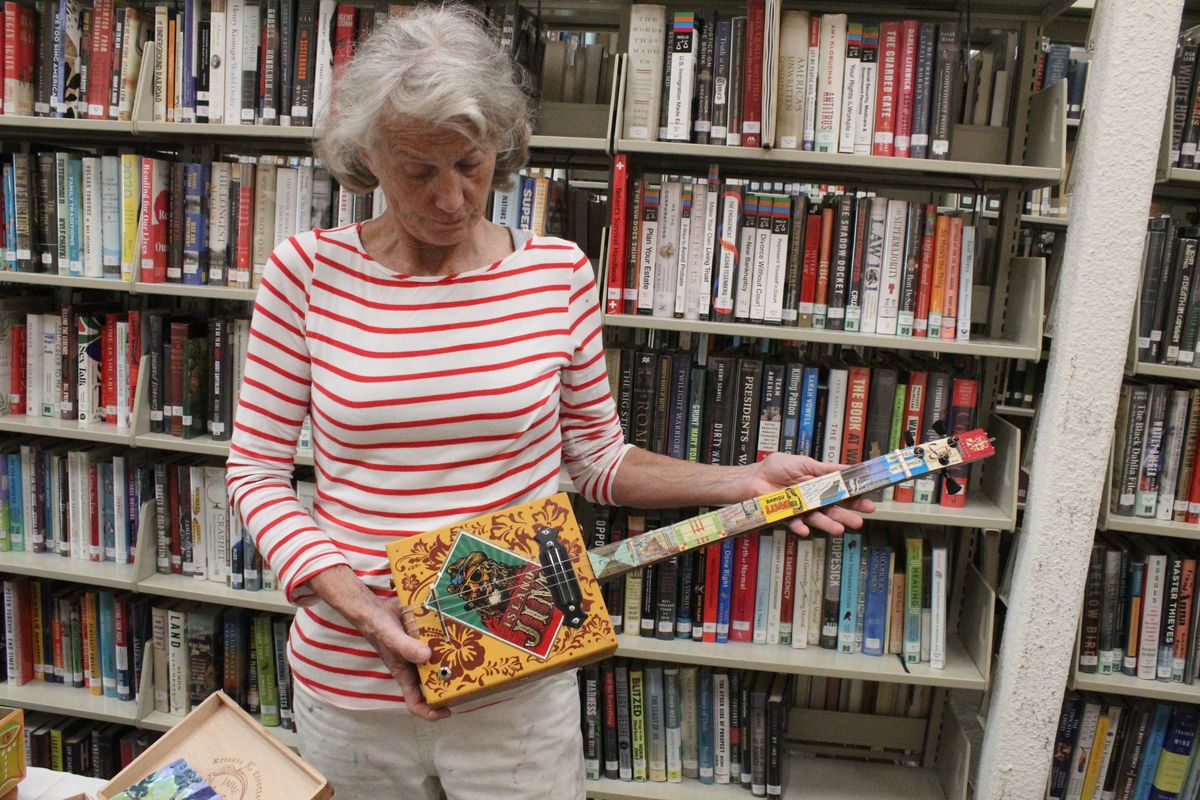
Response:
column 528, row 747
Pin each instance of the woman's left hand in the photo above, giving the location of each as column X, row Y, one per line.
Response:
column 779, row 470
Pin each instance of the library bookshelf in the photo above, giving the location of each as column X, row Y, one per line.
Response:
column 1011, row 309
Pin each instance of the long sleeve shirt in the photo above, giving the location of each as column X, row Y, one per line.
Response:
column 432, row 399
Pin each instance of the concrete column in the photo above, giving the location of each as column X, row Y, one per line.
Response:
column 1115, row 161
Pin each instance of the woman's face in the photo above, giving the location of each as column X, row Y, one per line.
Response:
column 436, row 184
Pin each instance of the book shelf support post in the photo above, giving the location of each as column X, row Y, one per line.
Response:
column 1095, row 307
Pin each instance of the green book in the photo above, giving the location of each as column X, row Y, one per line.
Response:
column 913, row 590
column 264, row 660
column 637, row 720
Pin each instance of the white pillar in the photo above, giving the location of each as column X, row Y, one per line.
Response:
column 1115, row 159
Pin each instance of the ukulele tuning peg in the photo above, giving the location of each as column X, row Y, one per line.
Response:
column 909, row 441
column 939, row 427
column 952, row 486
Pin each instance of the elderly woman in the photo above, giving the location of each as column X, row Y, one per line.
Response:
column 450, row 366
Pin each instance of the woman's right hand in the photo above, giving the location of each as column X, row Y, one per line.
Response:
column 381, row 622
column 385, row 628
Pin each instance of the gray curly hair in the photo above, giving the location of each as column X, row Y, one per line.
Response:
column 434, row 67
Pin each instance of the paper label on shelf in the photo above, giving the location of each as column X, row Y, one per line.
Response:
column 751, row 126
column 156, row 415
column 248, row 115
column 920, row 139
column 940, row 146
column 787, row 142
column 1193, row 508
column 95, row 110
column 218, row 428
column 1185, row 356
column 1127, row 499
column 47, row 258
column 789, row 315
column 24, row 253
column 268, row 113
column 299, row 111
column 639, row 132
column 703, row 126
column 1181, row 506
column 1188, row 149
column 883, row 137
column 902, row 141
column 1087, row 661
column 1156, row 336
column 806, row 308
column 837, row 312
column 1143, row 341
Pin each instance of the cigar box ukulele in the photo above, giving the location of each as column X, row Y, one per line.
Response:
column 514, row 594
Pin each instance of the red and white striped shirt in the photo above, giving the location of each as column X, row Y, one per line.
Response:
column 433, row 399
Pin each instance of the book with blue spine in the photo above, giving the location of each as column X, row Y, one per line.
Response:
column 725, row 590
column 762, row 589
column 107, row 644
column 1176, row 753
column 16, row 514
column 195, row 227
column 525, row 216
column 914, row 598
column 848, row 613
column 10, row 215
column 792, row 381
column 1154, row 743
column 879, row 573
column 75, row 215
column 808, row 411
column 705, row 727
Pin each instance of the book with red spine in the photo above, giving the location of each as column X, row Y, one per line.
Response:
column 633, row 261
column 343, row 36
column 950, row 284
column 245, row 226
column 906, row 86
column 937, row 281
column 1193, row 496
column 154, row 221
column 20, row 369
column 712, row 591
column 809, row 265
column 925, row 270
column 4, row 17
column 854, row 429
column 618, row 244
column 1187, row 608
column 134, row 349
column 745, row 583
column 18, row 607
column 887, row 89
column 175, row 384
column 962, row 418
column 108, row 369
column 100, row 66
column 787, row 597
column 914, row 412
column 752, row 73
column 12, row 56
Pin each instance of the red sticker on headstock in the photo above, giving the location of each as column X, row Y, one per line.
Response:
column 975, row 445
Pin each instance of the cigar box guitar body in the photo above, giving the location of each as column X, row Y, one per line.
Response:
column 515, row 594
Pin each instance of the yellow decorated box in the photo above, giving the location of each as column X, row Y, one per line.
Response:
column 12, row 750
column 502, row 597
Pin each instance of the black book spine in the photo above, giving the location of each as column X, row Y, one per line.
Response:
column 677, row 409
column 719, row 411
column 1093, row 594
column 1167, row 292
column 750, row 376
column 287, row 67
column 47, row 12
column 304, row 58
column 644, row 373
column 608, row 686
column 1183, row 71
column 923, row 92
column 1181, row 287
column 662, row 402
column 736, row 684
column 912, row 267
column 1139, row 407
column 589, row 678
column 795, row 260
column 704, row 78
column 683, row 596
column 666, row 588
column 839, row 276
column 945, row 87
column 47, row 214
column 203, row 59
column 734, row 84
column 268, row 108
column 650, row 580
column 252, row 21
column 157, row 366
column 624, row 727
column 625, row 393
column 1170, row 617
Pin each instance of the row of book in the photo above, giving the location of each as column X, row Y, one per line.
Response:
column 89, row 503
column 664, row 722
column 577, row 66
column 1020, row 382
column 1139, row 615
column 1109, row 747
column 82, row 746
column 79, row 362
column 801, row 81
column 1153, row 471
column 545, row 202
column 99, row 641
column 735, row 407
column 701, row 248
column 845, row 593
column 1169, row 302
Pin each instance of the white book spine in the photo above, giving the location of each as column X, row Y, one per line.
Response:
column 938, row 592
column 26, row 490
column 816, row 589
column 235, row 28
column 648, row 256
column 120, row 551
column 200, row 542
column 124, row 404
column 177, row 658
column 643, row 85
column 666, row 252
column 218, row 223
column 34, row 368
column 685, row 276
column 216, row 509
column 251, row 22
column 110, row 208
column 800, row 595
column 694, row 291
column 304, row 196
column 777, row 254
column 809, row 130
column 51, row 366
column 966, row 283
column 851, row 96
column 829, row 82
column 1152, row 601
column 744, row 277
column 285, row 203
column 864, row 134
column 683, row 80
column 712, row 201
column 161, row 50
column 775, row 596
column 159, row 663
column 835, row 410
column 893, row 268
column 1082, row 751
column 216, row 65
column 873, row 266
column 762, row 249
column 793, row 79
column 93, row 238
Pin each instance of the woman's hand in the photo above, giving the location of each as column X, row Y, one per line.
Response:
column 382, row 622
column 394, row 638
column 779, row 470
